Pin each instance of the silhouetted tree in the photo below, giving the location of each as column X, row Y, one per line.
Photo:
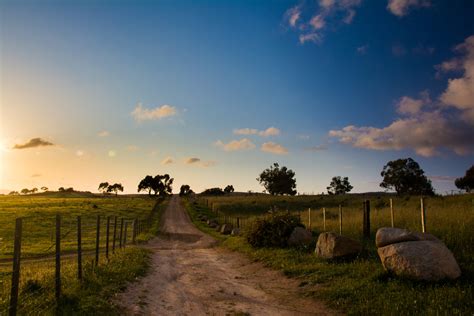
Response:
column 116, row 187
column 103, row 187
column 278, row 180
column 44, row 189
column 34, row 190
column 406, row 177
column 339, row 185
column 13, row 193
column 146, row 184
column 466, row 183
column 61, row 189
column 160, row 184
column 70, row 189
column 25, row 191
column 213, row 191
column 229, row 189
column 185, row 190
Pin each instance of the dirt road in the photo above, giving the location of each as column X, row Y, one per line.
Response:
column 191, row 277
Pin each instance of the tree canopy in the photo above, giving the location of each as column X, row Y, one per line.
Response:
column 185, row 190
column 339, row 185
column 466, row 183
column 159, row 184
column 213, row 191
column 278, row 181
column 406, row 177
column 229, row 189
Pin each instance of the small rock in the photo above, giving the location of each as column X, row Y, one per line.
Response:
column 331, row 246
column 300, row 236
column 226, row 229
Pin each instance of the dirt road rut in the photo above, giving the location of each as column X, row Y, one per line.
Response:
column 190, row 276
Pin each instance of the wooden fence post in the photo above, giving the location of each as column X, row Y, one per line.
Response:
column 58, row 257
column 423, row 215
column 309, row 218
column 97, row 241
column 340, row 219
column 391, row 213
column 121, row 233
column 125, row 235
column 324, row 219
column 366, row 219
column 115, row 234
column 79, row 249
column 134, row 232
column 16, row 268
column 238, row 222
column 107, row 230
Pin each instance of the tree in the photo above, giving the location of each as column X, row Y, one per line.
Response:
column 466, row 183
column 44, row 189
column 406, row 177
column 25, row 191
column 103, row 187
column 71, row 189
column 278, row 180
column 34, row 190
column 185, row 190
column 116, row 187
column 61, row 189
column 13, row 193
column 229, row 189
column 339, row 185
column 160, row 184
column 213, row 191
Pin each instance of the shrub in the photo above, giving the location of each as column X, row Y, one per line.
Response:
column 273, row 231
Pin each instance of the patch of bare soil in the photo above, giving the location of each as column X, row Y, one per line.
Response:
column 190, row 276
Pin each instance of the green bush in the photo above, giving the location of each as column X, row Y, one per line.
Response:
column 273, row 231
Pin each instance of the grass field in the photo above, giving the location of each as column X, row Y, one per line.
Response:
column 362, row 287
column 37, row 275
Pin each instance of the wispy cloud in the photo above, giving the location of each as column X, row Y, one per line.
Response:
column 192, row 160
column 143, row 114
column 36, row 175
column 274, row 148
column 362, row 50
column 199, row 162
column 442, row 178
column 317, row 148
column 235, row 145
column 34, row 142
column 330, row 14
column 401, row 8
column 271, row 131
column 168, row 160
column 103, row 133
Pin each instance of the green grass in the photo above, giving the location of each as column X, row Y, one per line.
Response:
column 92, row 296
column 362, row 287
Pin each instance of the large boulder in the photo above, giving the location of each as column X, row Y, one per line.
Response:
column 414, row 255
column 300, row 236
column 388, row 235
column 420, row 260
column 226, row 229
column 333, row 246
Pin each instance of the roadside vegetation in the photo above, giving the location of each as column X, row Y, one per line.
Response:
column 360, row 286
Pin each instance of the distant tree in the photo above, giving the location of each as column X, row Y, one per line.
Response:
column 69, row 189
column 466, row 183
column 116, row 187
column 278, row 181
column 185, row 190
column 13, row 193
column 44, row 189
column 160, row 184
column 34, row 190
column 61, row 189
column 25, row 191
column 213, row 191
column 339, row 185
column 229, row 189
column 103, row 187
column 406, row 177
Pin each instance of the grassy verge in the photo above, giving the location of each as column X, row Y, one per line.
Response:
column 360, row 287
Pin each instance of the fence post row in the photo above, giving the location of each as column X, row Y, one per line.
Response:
column 79, row 248
column 16, row 268
column 97, row 241
column 423, row 215
column 115, row 234
column 125, row 235
column 107, row 230
column 134, row 232
column 121, row 233
column 58, row 257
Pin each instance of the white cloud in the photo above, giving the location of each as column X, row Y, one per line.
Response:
column 271, row 131
column 79, row 153
column 408, row 105
column 330, row 14
column 143, row 114
column 103, row 133
column 167, row 161
column 362, row 50
column 112, row 153
column 235, row 145
column 274, row 148
column 401, row 8
column 460, row 91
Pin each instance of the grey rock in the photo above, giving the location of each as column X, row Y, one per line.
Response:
column 300, row 236
column 331, row 246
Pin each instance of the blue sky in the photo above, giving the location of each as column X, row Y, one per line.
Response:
column 345, row 85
